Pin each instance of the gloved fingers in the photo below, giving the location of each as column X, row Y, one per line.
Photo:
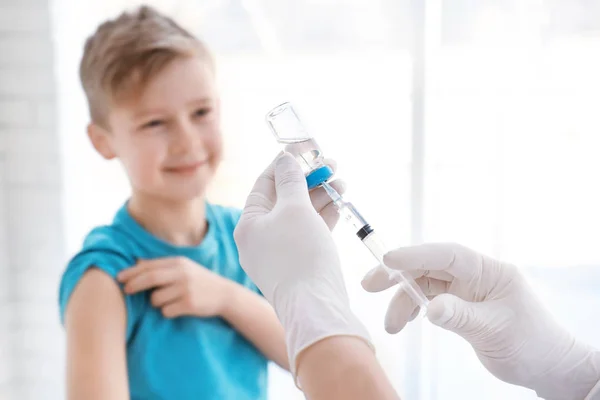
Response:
column 330, row 215
column 332, row 164
column 454, row 259
column 290, row 182
column 431, row 286
column 262, row 197
column 418, row 310
column 403, row 308
column 414, row 314
column 320, row 199
column 377, row 279
column 400, row 310
column 453, row 313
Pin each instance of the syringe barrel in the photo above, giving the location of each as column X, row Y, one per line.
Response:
column 372, row 241
column 375, row 246
column 351, row 215
column 378, row 249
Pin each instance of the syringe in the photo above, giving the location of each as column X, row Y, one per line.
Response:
column 371, row 240
column 291, row 133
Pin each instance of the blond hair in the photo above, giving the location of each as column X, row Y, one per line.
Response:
column 126, row 52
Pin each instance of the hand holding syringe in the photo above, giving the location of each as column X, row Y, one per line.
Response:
column 290, row 132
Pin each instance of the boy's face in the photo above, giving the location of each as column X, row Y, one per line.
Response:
column 168, row 139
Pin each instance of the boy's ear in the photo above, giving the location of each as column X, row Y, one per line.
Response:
column 101, row 141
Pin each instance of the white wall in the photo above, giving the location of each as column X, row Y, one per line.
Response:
column 31, row 231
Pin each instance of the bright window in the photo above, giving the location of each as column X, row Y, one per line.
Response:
column 510, row 141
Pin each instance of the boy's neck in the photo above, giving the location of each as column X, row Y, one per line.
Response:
column 179, row 223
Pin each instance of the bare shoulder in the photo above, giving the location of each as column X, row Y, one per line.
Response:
column 96, row 301
column 95, row 322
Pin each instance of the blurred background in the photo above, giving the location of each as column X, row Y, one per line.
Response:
column 451, row 120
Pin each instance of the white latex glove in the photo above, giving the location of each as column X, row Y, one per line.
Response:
column 490, row 304
column 288, row 251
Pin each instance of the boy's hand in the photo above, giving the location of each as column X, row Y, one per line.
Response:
column 180, row 286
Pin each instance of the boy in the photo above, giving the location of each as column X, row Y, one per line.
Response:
column 156, row 305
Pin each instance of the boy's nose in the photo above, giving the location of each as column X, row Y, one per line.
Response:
column 185, row 138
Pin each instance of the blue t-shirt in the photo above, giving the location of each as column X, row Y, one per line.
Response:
column 185, row 357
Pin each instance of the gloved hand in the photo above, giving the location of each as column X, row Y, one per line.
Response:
column 286, row 248
column 490, row 304
column 321, row 201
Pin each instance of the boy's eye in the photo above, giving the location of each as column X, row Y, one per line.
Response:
column 153, row 124
column 202, row 112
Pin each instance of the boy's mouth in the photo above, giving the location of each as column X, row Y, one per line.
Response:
column 186, row 168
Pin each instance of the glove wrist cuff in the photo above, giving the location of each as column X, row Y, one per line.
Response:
column 578, row 376
column 311, row 312
column 594, row 393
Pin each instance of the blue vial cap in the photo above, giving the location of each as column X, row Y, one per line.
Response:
column 318, row 176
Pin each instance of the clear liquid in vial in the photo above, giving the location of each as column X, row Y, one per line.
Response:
column 307, row 152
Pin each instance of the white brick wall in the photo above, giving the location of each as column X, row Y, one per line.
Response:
column 14, row 113
column 38, row 52
column 26, row 16
column 31, row 223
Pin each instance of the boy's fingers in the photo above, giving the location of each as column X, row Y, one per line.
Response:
column 141, row 266
column 151, row 278
column 165, row 295
column 128, row 273
column 174, row 309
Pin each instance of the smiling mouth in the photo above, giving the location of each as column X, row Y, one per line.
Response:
column 187, row 168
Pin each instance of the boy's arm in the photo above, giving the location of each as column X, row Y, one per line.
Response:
column 181, row 287
column 255, row 319
column 95, row 322
column 342, row 367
